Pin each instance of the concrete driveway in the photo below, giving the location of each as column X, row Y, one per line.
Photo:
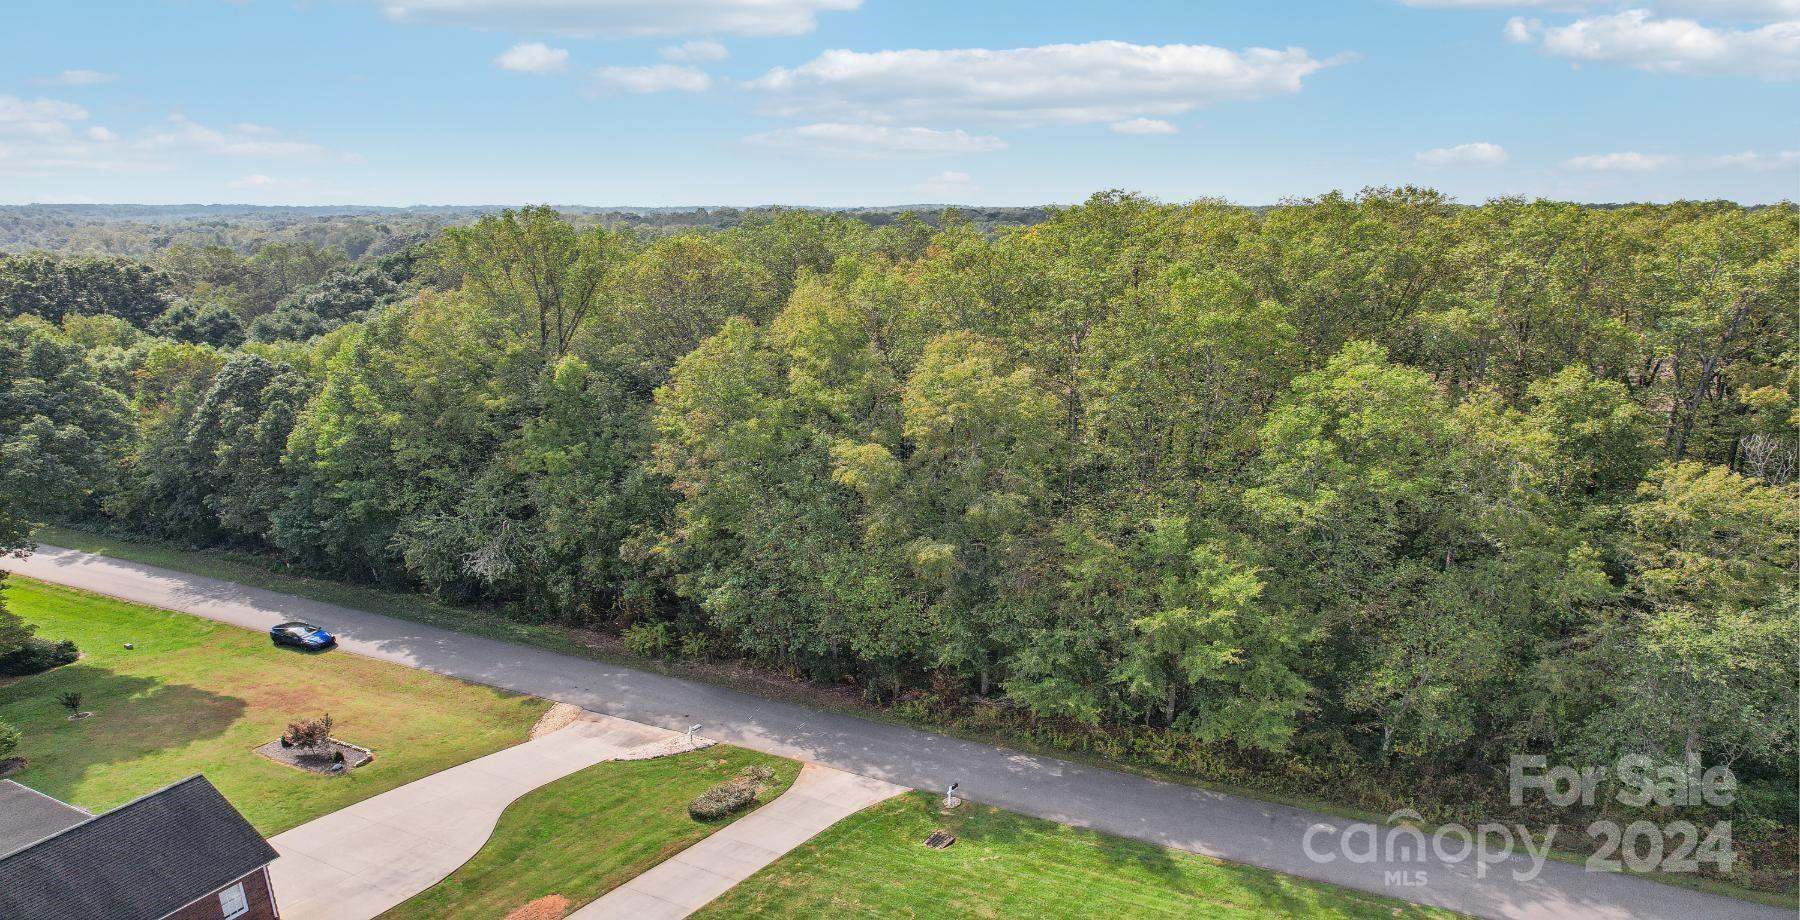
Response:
column 355, row 863
column 685, row 882
column 1197, row 820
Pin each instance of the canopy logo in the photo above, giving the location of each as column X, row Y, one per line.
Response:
column 1404, row 850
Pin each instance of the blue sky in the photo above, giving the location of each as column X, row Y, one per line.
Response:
column 841, row 102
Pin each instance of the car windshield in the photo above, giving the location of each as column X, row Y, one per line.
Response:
column 303, row 631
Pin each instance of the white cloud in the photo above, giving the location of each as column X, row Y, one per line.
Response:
column 1144, row 126
column 80, row 77
column 1102, row 81
column 873, row 142
column 533, row 57
column 1480, row 153
column 1636, row 38
column 657, row 78
column 1738, row 10
column 42, row 118
column 1757, row 162
column 620, row 18
column 239, row 141
column 1521, row 31
column 1619, row 162
column 256, row 180
column 948, row 185
column 48, row 136
column 688, row 52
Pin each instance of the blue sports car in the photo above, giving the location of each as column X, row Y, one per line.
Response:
column 302, row 635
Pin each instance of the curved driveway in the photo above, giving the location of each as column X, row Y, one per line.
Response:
column 365, row 858
column 1197, row 820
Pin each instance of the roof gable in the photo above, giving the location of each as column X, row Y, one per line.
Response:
column 27, row 816
column 145, row 859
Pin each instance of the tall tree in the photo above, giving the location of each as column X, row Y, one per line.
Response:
column 534, row 265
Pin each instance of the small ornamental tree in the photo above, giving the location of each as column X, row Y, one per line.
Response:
column 71, row 701
column 9, row 739
column 308, row 734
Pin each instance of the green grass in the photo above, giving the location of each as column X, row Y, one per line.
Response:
column 1007, row 865
column 196, row 696
column 589, row 833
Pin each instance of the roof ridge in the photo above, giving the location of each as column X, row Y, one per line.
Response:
column 18, row 785
column 92, row 816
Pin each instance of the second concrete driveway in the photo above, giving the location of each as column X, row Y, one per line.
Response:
column 685, row 882
column 355, row 863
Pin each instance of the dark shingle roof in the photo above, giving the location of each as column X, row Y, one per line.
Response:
column 144, row 859
column 27, row 816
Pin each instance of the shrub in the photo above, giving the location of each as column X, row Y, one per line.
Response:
column 722, row 800
column 9, row 739
column 651, row 640
column 728, row 797
column 36, row 656
column 70, row 701
column 308, row 733
column 696, row 645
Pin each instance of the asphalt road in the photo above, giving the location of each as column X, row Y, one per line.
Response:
column 1227, row 827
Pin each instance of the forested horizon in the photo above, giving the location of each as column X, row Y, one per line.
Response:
column 359, row 231
column 1280, row 496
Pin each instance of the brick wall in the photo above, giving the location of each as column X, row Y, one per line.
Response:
column 256, row 892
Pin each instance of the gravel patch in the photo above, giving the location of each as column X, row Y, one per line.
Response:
column 318, row 760
column 561, row 715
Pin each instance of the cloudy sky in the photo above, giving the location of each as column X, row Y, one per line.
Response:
column 848, row 102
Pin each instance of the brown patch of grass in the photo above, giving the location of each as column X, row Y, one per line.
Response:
column 548, row 907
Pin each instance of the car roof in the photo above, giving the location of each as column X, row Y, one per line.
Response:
column 292, row 623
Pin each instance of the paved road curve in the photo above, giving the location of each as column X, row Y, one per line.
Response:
column 1227, row 827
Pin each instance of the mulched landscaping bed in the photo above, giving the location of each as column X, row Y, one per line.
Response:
column 317, row 760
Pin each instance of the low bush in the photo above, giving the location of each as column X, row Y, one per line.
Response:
column 9, row 739
column 36, row 656
column 722, row 800
column 697, row 645
column 308, row 734
column 732, row 795
column 651, row 640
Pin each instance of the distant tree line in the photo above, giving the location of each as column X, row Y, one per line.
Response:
column 1354, row 484
column 141, row 231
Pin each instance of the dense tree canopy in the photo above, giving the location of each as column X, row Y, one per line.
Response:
column 1371, row 480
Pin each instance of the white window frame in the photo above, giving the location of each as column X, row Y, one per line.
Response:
column 233, row 902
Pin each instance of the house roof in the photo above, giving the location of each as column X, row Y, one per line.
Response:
column 27, row 816
column 145, row 859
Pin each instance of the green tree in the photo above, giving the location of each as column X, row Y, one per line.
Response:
column 49, row 287
column 210, row 323
column 1201, row 645
column 60, row 429
column 237, row 437
column 1702, row 654
column 534, row 266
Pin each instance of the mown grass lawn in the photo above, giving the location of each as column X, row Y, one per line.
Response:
column 1006, row 865
column 196, row 696
column 590, row 832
